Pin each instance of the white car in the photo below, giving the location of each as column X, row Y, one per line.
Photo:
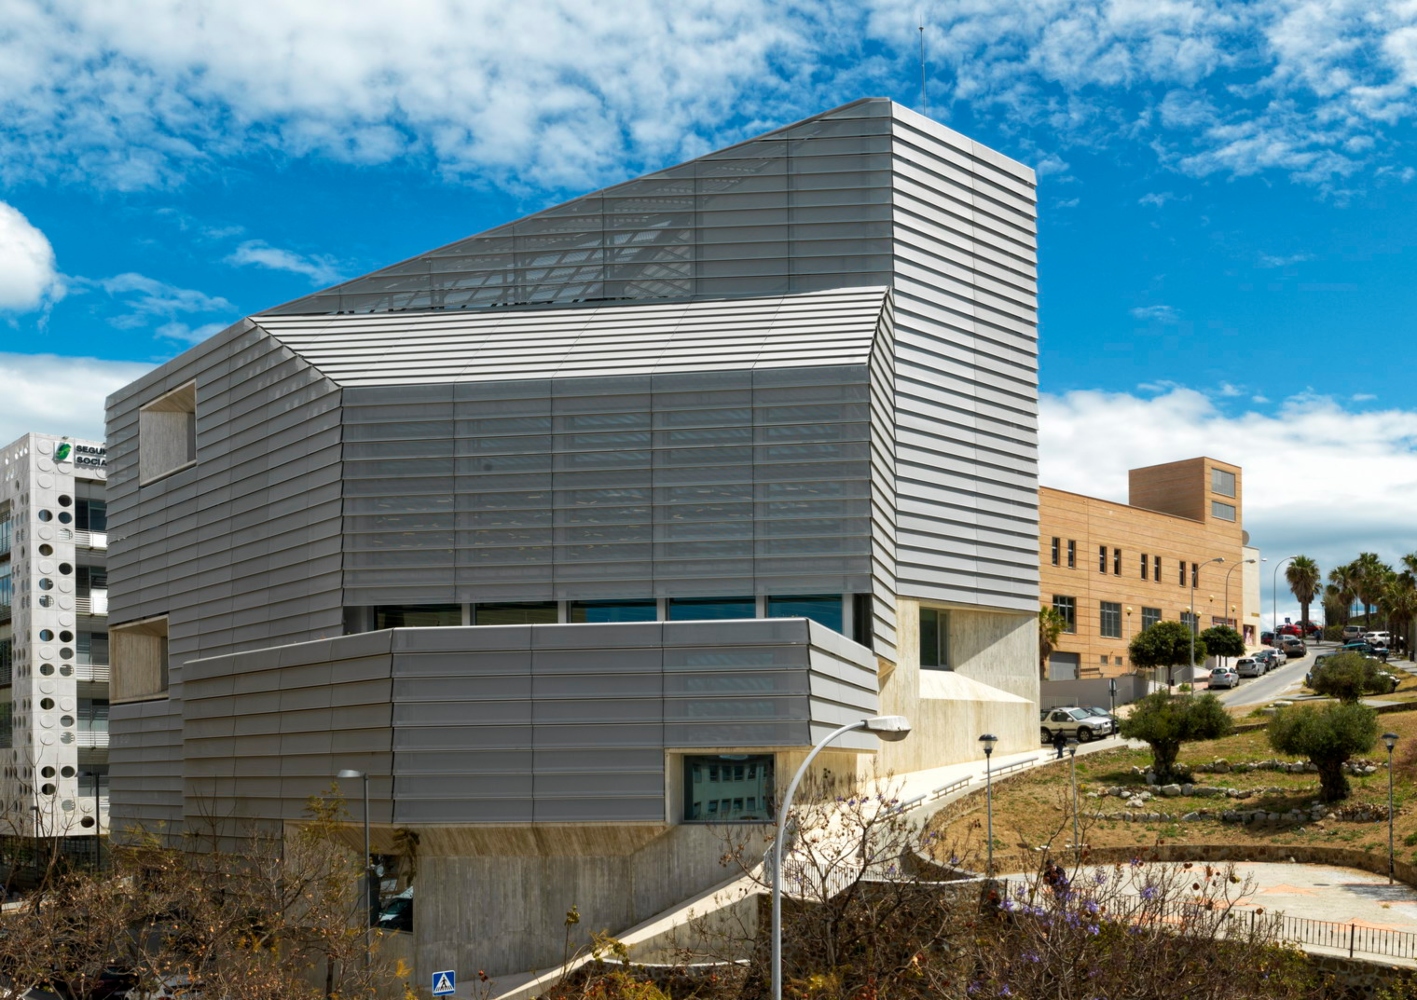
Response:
column 1380, row 638
column 1225, row 677
column 1249, row 667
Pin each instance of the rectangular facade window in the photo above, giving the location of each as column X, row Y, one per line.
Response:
column 1067, row 609
column 167, row 433
column 1195, row 575
column 7, row 661
column 612, row 611
column 1072, row 554
column 728, row 788
column 417, row 615
column 1144, row 567
column 824, row 609
column 1116, row 562
column 1103, row 659
column 92, row 648
column 91, row 515
column 1222, row 482
column 1156, row 568
column 1102, row 559
column 935, row 639
column 139, row 652
column 1182, row 578
column 687, row 609
column 1192, row 620
column 1223, row 511
column 521, row 613
column 1111, row 620
column 1057, row 551
column 1149, row 617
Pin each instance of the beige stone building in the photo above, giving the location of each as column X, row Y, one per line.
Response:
column 1112, row 569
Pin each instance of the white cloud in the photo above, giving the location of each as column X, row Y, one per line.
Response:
column 1284, row 260
column 58, row 395
column 149, row 300
column 1156, row 314
column 1156, row 198
column 28, row 279
column 554, row 93
column 188, row 334
column 1318, row 479
column 319, row 269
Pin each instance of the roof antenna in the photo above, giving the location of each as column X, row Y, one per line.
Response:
column 924, row 101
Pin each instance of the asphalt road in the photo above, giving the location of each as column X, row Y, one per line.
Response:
column 1288, row 678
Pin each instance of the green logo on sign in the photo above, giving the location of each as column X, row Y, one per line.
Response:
column 62, row 452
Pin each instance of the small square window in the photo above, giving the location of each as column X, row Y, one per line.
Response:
column 167, row 433
column 1222, row 511
column 1222, row 482
column 745, row 782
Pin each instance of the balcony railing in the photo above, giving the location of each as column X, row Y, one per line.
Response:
column 91, row 539
column 92, row 672
column 95, row 602
column 91, row 739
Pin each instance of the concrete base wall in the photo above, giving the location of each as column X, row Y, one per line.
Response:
column 504, row 911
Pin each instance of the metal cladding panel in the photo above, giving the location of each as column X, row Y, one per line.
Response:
column 633, row 486
column 574, row 727
column 239, row 550
column 966, row 370
column 818, row 328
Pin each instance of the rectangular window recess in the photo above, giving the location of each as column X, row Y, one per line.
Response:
column 167, row 434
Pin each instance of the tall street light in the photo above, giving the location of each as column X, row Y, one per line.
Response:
column 1195, row 578
column 989, row 739
column 367, row 895
column 1073, row 760
column 1274, row 595
column 1390, row 741
column 1242, row 562
column 887, row 727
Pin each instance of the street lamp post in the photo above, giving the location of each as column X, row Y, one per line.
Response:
column 1390, row 741
column 887, row 727
column 1274, row 595
column 989, row 739
column 1073, row 763
column 1194, row 580
column 368, row 896
column 1242, row 562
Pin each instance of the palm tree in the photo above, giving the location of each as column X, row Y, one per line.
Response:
column 1399, row 604
column 1372, row 577
column 1336, row 605
column 1304, row 578
column 1343, row 581
column 1050, row 626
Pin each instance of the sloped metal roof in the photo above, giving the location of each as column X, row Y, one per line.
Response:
column 833, row 327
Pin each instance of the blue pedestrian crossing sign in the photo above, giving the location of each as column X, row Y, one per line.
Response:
column 445, row 984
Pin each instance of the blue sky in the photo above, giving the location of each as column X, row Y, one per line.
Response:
column 1227, row 210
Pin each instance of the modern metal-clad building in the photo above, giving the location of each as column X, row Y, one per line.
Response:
column 597, row 518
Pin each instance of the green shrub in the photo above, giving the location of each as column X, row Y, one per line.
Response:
column 1165, row 721
column 1349, row 676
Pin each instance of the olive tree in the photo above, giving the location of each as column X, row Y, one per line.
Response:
column 1167, row 644
column 1328, row 736
column 1348, row 676
column 1164, row 721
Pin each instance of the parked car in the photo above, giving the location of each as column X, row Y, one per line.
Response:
column 1267, row 638
column 1098, row 710
column 1351, row 632
column 1269, row 657
column 1318, row 663
column 1079, row 723
column 1293, row 647
column 397, row 914
column 1289, row 628
column 1249, row 666
column 1378, row 638
column 1225, row 677
column 1312, row 631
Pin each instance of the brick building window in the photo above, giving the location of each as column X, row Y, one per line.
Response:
column 1111, row 620
column 1057, row 550
column 1149, row 617
column 1067, row 609
column 1072, row 554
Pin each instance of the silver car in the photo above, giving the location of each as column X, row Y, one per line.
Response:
column 1250, row 666
column 1076, row 722
column 1225, row 677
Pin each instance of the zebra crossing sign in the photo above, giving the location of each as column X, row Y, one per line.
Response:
column 445, row 983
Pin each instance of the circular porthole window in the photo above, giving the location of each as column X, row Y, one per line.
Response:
column 65, row 517
column 66, row 636
column 65, row 670
column 65, row 501
column 66, row 772
column 46, row 704
column 45, row 635
column 46, row 772
column 87, row 822
column 46, row 584
column 65, row 653
column 47, row 669
column 65, row 569
column 66, row 721
column 47, row 789
column 46, row 549
column 45, row 601
column 45, row 515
